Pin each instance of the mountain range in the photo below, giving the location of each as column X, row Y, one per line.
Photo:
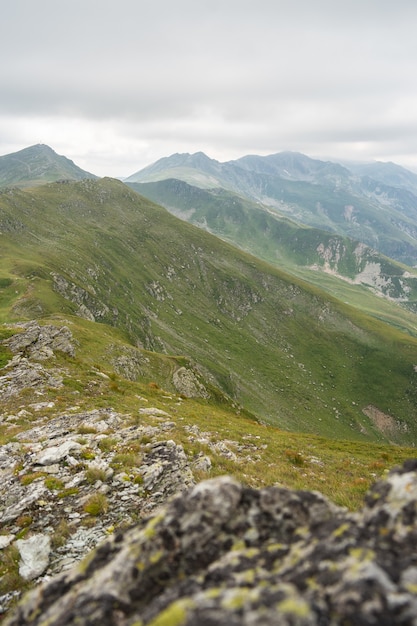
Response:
column 38, row 165
column 255, row 334
column 243, row 331
column 141, row 354
column 374, row 204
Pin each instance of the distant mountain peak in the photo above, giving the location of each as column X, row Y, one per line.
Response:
column 36, row 165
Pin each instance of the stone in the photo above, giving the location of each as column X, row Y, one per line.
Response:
column 186, row 383
column 6, row 540
column 55, row 454
column 224, row 554
column 34, row 555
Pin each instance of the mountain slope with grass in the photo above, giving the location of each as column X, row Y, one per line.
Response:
column 226, row 326
column 89, row 447
column 37, row 165
column 376, row 206
column 305, row 251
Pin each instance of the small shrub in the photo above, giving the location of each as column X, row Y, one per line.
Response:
column 93, row 474
column 86, row 430
column 113, row 386
column 52, row 483
column 107, row 444
column 61, row 534
column 9, row 570
column 125, row 460
column 23, row 521
column 27, row 479
column 96, row 505
column 87, row 455
column 294, row 457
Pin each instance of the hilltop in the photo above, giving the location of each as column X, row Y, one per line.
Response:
column 37, row 165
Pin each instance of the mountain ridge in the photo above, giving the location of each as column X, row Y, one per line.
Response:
column 37, row 165
column 281, row 241
column 316, row 193
column 246, row 331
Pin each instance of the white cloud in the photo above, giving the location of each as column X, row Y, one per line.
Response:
column 116, row 85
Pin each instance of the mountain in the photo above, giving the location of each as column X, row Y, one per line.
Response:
column 305, row 251
column 197, row 169
column 37, row 165
column 140, row 355
column 389, row 174
column 316, row 193
column 202, row 315
column 295, row 166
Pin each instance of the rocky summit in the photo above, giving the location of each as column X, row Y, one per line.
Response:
column 222, row 553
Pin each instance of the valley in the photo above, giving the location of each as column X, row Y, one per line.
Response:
column 141, row 354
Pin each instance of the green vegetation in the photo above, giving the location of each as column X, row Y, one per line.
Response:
column 308, row 386
column 97, row 504
column 93, row 474
column 254, row 335
column 326, row 259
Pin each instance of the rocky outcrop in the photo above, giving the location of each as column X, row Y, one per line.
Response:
column 40, row 342
column 186, row 383
column 31, row 345
column 222, row 553
column 72, row 479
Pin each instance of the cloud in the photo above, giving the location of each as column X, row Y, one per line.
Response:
column 139, row 79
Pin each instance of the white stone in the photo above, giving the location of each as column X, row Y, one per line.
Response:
column 34, row 555
column 6, row 540
column 56, row 454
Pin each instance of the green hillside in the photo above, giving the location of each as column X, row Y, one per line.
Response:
column 321, row 194
column 246, row 333
column 342, row 266
column 37, row 165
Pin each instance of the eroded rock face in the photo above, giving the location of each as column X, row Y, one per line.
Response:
column 32, row 345
column 221, row 553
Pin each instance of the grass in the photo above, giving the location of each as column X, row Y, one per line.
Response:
column 278, row 356
column 96, row 505
column 273, row 455
column 93, row 474
column 261, row 338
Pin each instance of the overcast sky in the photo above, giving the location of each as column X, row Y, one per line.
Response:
column 117, row 84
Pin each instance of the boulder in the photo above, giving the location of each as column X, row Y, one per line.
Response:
column 224, row 554
column 34, row 555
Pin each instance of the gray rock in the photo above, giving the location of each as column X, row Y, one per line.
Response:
column 55, row 454
column 22, row 499
column 6, row 540
column 40, row 342
column 224, row 554
column 186, row 383
column 34, row 555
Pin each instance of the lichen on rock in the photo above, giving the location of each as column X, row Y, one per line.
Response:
column 225, row 554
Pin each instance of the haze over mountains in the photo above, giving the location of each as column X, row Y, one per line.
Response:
column 246, row 332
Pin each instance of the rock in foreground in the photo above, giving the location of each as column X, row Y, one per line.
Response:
column 222, row 553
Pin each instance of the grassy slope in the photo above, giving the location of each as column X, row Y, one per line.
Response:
column 295, row 460
column 290, row 246
column 281, row 349
column 385, row 221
